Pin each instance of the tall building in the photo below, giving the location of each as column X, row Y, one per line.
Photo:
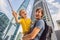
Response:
column 3, row 23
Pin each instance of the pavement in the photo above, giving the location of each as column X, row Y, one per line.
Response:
column 58, row 34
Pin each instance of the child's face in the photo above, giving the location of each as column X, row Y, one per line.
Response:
column 23, row 14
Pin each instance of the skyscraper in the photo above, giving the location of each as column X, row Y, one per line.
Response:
column 3, row 23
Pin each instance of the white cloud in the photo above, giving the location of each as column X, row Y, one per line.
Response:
column 2, row 3
column 50, row 1
column 56, row 4
column 52, row 11
column 4, row 7
column 56, row 16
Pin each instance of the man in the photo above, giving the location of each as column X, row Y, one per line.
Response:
column 38, row 28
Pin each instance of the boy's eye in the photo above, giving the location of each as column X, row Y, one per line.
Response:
column 22, row 12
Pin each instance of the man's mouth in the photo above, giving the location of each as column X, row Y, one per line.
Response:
column 36, row 15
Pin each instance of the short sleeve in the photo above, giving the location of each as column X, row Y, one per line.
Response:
column 40, row 24
column 20, row 21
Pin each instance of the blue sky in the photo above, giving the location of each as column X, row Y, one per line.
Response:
column 57, row 1
column 16, row 4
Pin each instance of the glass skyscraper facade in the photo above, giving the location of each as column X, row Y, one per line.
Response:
column 3, row 23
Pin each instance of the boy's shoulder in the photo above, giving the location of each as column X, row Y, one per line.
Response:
column 29, row 18
column 24, row 19
column 21, row 19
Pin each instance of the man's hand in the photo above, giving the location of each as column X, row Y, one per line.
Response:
column 14, row 13
column 27, row 37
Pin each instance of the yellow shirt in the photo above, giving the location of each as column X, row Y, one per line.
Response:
column 25, row 24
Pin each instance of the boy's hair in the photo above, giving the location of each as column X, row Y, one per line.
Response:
column 41, row 11
column 20, row 11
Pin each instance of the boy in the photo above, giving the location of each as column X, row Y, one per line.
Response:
column 24, row 21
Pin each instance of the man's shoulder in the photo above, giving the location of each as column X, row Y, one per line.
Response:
column 41, row 21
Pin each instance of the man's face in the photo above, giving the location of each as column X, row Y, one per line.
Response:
column 23, row 13
column 38, row 14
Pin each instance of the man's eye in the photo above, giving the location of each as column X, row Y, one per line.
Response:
column 39, row 12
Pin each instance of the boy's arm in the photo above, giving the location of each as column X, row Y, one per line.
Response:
column 16, row 16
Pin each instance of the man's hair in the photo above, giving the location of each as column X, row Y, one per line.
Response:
column 41, row 11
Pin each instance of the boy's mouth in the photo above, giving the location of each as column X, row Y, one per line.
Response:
column 24, row 14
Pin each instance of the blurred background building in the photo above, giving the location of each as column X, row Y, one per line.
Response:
column 3, row 24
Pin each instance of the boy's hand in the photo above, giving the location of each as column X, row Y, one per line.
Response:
column 14, row 13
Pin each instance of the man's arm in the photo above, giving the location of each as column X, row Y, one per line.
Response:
column 16, row 16
column 33, row 34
